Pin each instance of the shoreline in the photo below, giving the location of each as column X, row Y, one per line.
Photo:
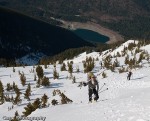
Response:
column 113, row 36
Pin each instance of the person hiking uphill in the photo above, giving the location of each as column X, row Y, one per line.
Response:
column 93, row 87
column 129, row 75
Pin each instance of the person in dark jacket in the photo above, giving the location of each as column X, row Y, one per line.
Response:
column 93, row 88
column 129, row 75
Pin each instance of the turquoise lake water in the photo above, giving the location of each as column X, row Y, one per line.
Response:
column 91, row 36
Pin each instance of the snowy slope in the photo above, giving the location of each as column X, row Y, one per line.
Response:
column 30, row 59
column 123, row 101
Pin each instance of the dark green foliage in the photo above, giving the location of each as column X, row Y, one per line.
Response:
column 122, row 69
column 32, row 107
column 45, row 81
column 36, row 34
column 70, row 68
column 141, row 57
column 28, row 92
column 65, row 99
column 54, row 102
column 23, row 79
column 28, row 110
column 107, row 62
column 9, row 87
column 15, row 117
column 14, row 85
column 13, row 69
column 112, row 67
column 116, row 63
column 1, row 93
column 39, row 71
column 7, row 62
column 44, row 100
column 104, row 75
column 17, row 98
column 88, row 65
column 63, row 67
column 131, row 46
column 127, row 60
column 130, row 18
column 36, row 104
column 118, row 54
column 45, row 66
column 55, row 74
column 35, row 77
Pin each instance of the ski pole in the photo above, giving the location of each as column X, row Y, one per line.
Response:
column 102, row 86
column 103, row 90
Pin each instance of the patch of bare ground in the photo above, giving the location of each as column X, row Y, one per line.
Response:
column 113, row 36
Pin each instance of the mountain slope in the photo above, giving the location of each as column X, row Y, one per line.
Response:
column 124, row 16
column 125, row 100
column 20, row 35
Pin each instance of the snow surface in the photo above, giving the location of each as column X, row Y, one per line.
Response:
column 123, row 101
column 30, row 59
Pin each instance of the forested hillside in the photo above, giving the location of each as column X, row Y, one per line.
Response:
column 129, row 17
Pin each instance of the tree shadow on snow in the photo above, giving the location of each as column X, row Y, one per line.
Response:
column 56, row 85
column 46, row 73
column 138, row 78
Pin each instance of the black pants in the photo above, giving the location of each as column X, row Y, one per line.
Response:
column 128, row 77
column 93, row 91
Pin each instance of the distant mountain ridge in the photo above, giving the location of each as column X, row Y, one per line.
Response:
column 21, row 35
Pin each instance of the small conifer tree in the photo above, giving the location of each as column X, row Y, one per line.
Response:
column 45, row 81
column 1, row 93
column 39, row 71
column 104, row 75
column 28, row 92
column 44, row 100
column 23, row 79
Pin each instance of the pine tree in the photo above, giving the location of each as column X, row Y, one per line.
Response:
column 15, row 117
column 55, row 74
column 141, row 57
column 44, row 100
column 14, row 69
column 63, row 67
column 104, row 75
column 70, row 68
column 23, row 79
column 17, row 98
column 39, row 71
column 107, row 61
column 35, row 77
column 54, row 102
column 28, row 92
column 65, row 99
column 28, row 110
column 36, row 104
column 1, row 93
column 14, row 85
column 45, row 81
column 45, row 66
column 127, row 60
column 9, row 87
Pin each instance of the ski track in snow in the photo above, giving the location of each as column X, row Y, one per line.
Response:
column 125, row 100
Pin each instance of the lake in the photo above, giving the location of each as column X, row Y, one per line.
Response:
column 91, row 36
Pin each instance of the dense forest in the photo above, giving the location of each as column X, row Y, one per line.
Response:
column 20, row 35
column 129, row 17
